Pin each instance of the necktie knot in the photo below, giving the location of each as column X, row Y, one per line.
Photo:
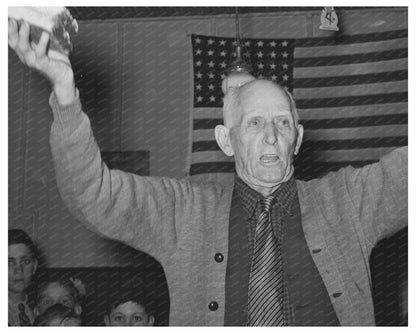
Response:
column 267, row 203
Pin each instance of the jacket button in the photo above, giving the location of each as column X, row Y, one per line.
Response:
column 219, row 257
column 213, row 306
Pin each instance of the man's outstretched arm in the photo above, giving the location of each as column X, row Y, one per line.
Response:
column 140, row 211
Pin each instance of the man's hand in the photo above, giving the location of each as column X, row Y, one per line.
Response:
column 57, row 70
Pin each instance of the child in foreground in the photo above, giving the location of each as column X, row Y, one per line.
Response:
column 58, row 315
column 58, row 290
column 128, row 308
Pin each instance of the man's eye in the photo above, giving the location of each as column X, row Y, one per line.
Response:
column 26, row 262
column 284, row 122
column 138, row 318
column 254, row 122
column 119, row 318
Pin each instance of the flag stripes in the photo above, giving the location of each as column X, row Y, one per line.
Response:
column 348, row 80
column 351, row 93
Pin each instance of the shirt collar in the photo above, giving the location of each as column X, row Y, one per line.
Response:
column 284, row 195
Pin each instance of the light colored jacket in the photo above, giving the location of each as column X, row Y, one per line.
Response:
column 183, row 224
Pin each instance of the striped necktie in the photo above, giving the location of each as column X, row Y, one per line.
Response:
column 265, row 295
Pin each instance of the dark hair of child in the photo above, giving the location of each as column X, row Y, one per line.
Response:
column 125, row 295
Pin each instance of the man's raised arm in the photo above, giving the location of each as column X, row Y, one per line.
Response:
column 140, row 211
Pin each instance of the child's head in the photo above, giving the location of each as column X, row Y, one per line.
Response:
column 54, row 291
column 129, row 308
column 22, row 261
column 58, row 315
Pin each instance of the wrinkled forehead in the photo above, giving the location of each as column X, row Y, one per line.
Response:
column 265, row 93
column 256, row 95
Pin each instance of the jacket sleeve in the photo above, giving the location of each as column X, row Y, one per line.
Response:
column 380, row 194
column 139, row 211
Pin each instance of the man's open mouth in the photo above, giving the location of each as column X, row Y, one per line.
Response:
column 269, row 158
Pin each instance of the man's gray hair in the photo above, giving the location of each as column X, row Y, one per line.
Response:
column 232, row 102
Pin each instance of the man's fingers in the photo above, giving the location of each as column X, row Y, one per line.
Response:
column 13, row 34
column 23, row 42
column 40, row 49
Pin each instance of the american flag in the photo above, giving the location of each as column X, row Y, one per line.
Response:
column 350, row 91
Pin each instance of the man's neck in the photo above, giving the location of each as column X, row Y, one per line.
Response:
column 264, row 191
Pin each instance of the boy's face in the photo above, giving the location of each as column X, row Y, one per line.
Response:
column 56, row 293
column 129, row 314
column 22, row 267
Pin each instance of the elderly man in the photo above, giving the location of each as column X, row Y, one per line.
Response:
column 269, row 250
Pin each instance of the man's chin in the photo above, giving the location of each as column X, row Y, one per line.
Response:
column 270, row 175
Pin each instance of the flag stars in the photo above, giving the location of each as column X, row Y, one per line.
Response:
column 260, row 65
column 211, row 64
column 198, row 51
column 223, row 42
column 274, row 77
column 259, row 54
column 223, row 53
column 273, row 44
column 211, row 75
column 285, row 65
column 199, row 99
column 211, row 87
column 212, row 98
column 285, row 43
column 198, row 40
column 261, row 76
column 285, row 77
column 222, row 76
column 285, row 54
column 210, row 52
column 272, row 54
column 199, row 75
column 247, row 55
column 210, row 41
column 247, row 43
column 198, row 63
column 223, row 64
column 198, row 87
column 272, row 66
column 260, row 43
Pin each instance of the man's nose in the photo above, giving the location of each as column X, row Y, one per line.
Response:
column 270, row 134
column 18, row 269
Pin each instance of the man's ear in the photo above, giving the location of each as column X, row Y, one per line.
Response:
column 78, row 309
column 222, row 135
column 299, row 138
column 107, row 320
column 151, row 321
